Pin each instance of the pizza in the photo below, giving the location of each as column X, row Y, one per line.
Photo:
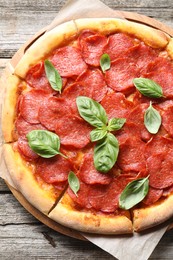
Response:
column 87, row 125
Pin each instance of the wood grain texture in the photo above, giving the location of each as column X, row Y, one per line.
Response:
column 21, row 235
column 21, row 19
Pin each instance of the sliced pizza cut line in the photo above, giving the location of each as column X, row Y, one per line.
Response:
column 66, row 214
column 41, row 197
column 147, row 217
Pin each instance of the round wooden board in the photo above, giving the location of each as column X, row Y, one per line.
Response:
column 15, row 59
column 43, row 218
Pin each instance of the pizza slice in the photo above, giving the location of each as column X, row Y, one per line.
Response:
column 18, row 156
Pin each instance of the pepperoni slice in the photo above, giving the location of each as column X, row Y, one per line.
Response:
column 68, row 61
column 116, row 105
column 136, row 117
column 159, row 162
column 50, row 112
column 117, row 44
column 131, row 155
column 30, row 104
column 92, row 48
column 25, row 150
column 36, row 78
column 138, row 98
column 106, row 197
column 53, row 170
column 157, row 145
column 121, row 74
column 160, row 170
column 167, row 120
column 23, row 127
column 94, row 80
column 82, row 198
column 73, row 131
column 152, row 196
column 141, row 54
column 88, row 173
column 73, row 91
column 83, row 35
column 161, row 71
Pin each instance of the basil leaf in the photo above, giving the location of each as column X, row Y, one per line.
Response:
column 44, row 143
column 148, row 87
column 91, row 111
column 134, row 193
column 73, row 182
column 152, row 119
column 115, row 124
column 105, row 62
column 97, row 134
column 53, row 76
column 106, row 153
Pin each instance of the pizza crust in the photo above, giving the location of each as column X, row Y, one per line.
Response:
column 66, row 214
column 9, row 107
column 150, row 36
column 24, row 181
column 169, row 48
column 153, row 215
column 65, row 32
column 44, row 46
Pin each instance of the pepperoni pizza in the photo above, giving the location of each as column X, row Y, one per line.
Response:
column 78, row 125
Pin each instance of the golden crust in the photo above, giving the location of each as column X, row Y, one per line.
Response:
column 9, row 107
column 44, row 46
column 65, row 214
column 64, row 32
column 23, row 180
column 150, row 36
column 153, row 215
column 169, row 48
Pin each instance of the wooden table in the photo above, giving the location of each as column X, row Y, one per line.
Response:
column 21, row 235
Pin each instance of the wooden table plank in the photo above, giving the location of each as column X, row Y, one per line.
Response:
column 21, row 19
column 21, row 235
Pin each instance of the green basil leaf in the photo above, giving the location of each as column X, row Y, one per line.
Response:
column 134, row 193
column 115, row 124
column 53, row 76
column 97, row 134
column 105, row 62
column 44, row 143
column 106, row 153
column 91, row 111
column 152, row 119
column 148, row 87
column 73, row 182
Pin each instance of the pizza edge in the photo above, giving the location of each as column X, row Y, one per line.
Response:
column 152, row 37
column 11, row 84
column 87, row 221
column 21, row 175
column 69, row 30
column 44, row 45
column 147, row 217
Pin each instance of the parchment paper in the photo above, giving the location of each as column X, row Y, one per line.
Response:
column 127, row 247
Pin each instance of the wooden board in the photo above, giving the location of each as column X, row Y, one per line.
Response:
column 15, row 59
